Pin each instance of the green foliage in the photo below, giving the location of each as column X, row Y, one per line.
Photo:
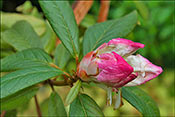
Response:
column 30, row 33
column 25, row 59
column 141, row 101
column 18, row 99
column 61, row 18
column 9, row 19
column 62, row 56
column 22, row 36
column 11, row 113
column 48, row 39
column 44, row 107
column 56, row 106
column 84, row 106
column 103, row 32
column 73, row 92
column 18, row 80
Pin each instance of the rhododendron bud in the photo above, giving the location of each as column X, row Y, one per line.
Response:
column 114, row 65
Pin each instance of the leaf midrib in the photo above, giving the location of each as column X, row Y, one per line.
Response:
column 67, row 29
column 102, row 36
column 84, row 110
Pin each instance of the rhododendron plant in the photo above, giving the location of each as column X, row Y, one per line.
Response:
column 49, row 52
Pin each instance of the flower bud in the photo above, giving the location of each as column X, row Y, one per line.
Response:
column 114, row 65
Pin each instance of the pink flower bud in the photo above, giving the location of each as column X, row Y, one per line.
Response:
column 114, row 65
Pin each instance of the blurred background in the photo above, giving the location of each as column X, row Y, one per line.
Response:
column 155, row 30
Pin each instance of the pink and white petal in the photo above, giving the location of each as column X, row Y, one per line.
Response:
column 130, row 78
column 145, row 69
column 113, row 68
column 124, row 47
column 86, row 61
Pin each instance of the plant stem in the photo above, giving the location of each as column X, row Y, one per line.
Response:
column 104, row 8
column 51, row 85
column 62, row 83
column 37, row 107
column 3, row 113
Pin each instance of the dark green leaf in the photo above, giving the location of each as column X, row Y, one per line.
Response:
column 22, row 36
column 25, row 59
column 62, row 56
column 141, row 101
column 84, row 106
column 18, row 80
column 73, row 92
column 16, row 100
column 56, row 106
column 103, row 32
column 61, row 18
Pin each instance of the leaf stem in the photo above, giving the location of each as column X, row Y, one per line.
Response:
column 55, row 66
column 62, row 83
column 51, row 85
column 37, row 107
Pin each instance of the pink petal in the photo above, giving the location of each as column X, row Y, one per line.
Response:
column 145, row 69
column 113, row 68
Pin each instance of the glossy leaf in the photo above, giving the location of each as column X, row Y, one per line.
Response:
column 103, row 32
column 56, row 106
column 141, row 101
column 18, row 99
column 25, row 59
column 9, row 19
column 73, row 92
column 18, row 80
column 22, row 36
column 62, row 56
column 84, row 106
column 61, row 18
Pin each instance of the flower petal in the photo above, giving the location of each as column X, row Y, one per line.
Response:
column 84, row 63
column 113, row 68
column 145, row 69
column 123, row 47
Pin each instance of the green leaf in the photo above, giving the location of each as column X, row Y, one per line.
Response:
column 56, row 106
column 18, row 80
column 16, row 100
column 73, row 92
column 141, row 101
column 62, row 20
column 48, row 39
column 44, row 107
column 84, row 106
column 25, row 59
column 22, row 36
column 62, row 56
column 103, row 32
column 9, row 19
